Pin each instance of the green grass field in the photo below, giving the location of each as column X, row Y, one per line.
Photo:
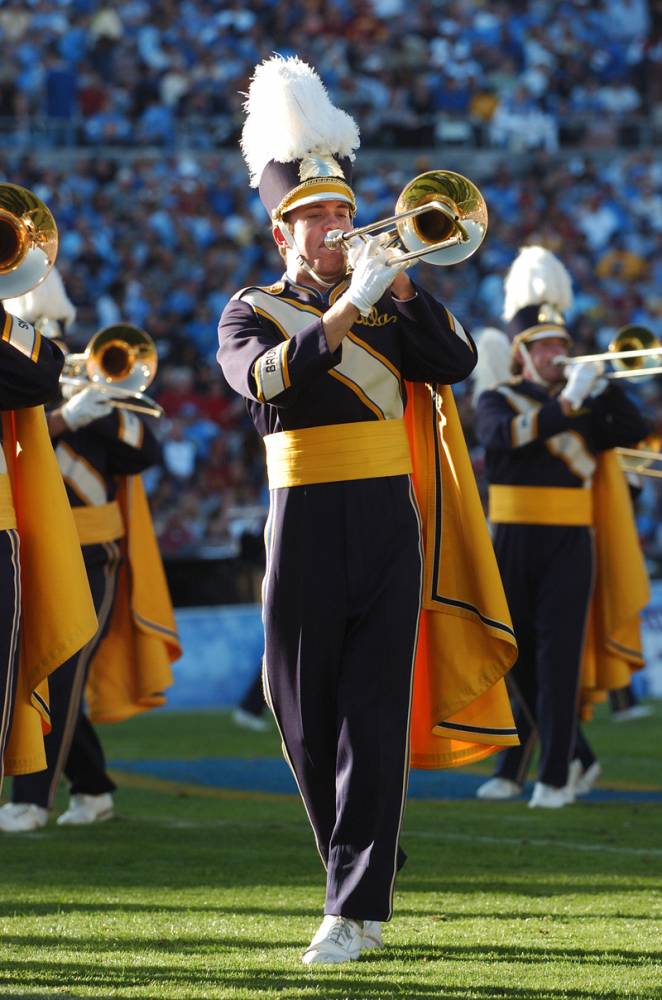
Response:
column 199, row 892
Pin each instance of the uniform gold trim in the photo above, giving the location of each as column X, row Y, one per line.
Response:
column 316, row 186
column 358, row 391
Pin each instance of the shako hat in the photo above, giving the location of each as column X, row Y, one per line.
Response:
column 298, row 146
column 537, row 294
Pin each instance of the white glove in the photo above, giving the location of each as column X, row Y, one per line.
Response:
column 357, row 246
column 85, row 407
column 372, row 273
column 581, row 381
column 601, row 383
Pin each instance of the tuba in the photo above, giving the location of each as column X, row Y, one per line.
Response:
column 439, row 215
column 121, row 361
column 28, row 240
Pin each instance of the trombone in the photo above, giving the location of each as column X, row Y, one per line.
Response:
column 120, row 361
column 28, row 240
column 635, row 352
column 439, row 215
column 638, row 460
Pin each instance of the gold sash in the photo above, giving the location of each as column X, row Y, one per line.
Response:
column 99, row 524
column 7, row 512
column 540, row 505
column 336, row 453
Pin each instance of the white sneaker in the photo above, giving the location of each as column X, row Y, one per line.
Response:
column 499, row 788
column 575, row 771
column 248, row 720
column 86, row 809
column 631, row 713
column 549, row 797
column 372, row 935
column 587, row 779
column 19, row 817
column 338, row 939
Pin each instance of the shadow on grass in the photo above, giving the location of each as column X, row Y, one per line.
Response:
column 434, row 913
column 364, row 980
column 199, row 944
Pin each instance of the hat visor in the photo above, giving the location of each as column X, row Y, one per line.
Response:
column 332, row 190
column 546, row 332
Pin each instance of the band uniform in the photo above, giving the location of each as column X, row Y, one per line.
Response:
column 92, row 460
column 334, row 649
column 547, row 558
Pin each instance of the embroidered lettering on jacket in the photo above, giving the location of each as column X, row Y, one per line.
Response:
column 375, row 318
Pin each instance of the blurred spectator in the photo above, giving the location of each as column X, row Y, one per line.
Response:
column 174, row 72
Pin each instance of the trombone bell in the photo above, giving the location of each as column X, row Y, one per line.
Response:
column 439, row 215
column 637, row 339
column 120, row 361
column 28, row 241
column 634, row 352
column 452, row 223
column 122, row 356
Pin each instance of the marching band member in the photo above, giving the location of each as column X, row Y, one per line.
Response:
column 38, row 544
column 100, row 451
column 547, row 434
column 29, row 371
column 321, row 358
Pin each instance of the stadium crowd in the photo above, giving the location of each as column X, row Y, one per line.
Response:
column 159, row 228
column 519, row 75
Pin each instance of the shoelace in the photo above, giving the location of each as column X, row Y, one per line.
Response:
column 341, row 933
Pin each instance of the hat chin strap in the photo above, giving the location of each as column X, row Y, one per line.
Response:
column 531, row 369
column 301, row 260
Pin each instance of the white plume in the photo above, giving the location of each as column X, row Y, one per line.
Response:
column 290, row 115
column 536, row 276
column 49, row 299
column 494, row 357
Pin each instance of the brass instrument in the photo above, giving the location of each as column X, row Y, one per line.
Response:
column 638, row 460
column 439, row 215
column 635, row 352
column 28, row 240
column 121, row 361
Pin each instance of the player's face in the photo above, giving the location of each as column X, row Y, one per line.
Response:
column 310, row 224
column 542, row 354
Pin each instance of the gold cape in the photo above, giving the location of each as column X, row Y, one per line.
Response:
column 132, row 666
column 58, row 615
column 613, row 649
column 461, row 710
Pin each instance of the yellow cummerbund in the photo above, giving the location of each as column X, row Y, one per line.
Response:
column 7, row 513
column 540, row 505
column 365, row 450
column 99, row 524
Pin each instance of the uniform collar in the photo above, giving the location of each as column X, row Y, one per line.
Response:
column 314, row 296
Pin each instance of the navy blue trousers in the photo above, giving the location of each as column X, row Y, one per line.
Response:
column 341, row 607
column 72, row 746
column 548, row 576
column 10, row 621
